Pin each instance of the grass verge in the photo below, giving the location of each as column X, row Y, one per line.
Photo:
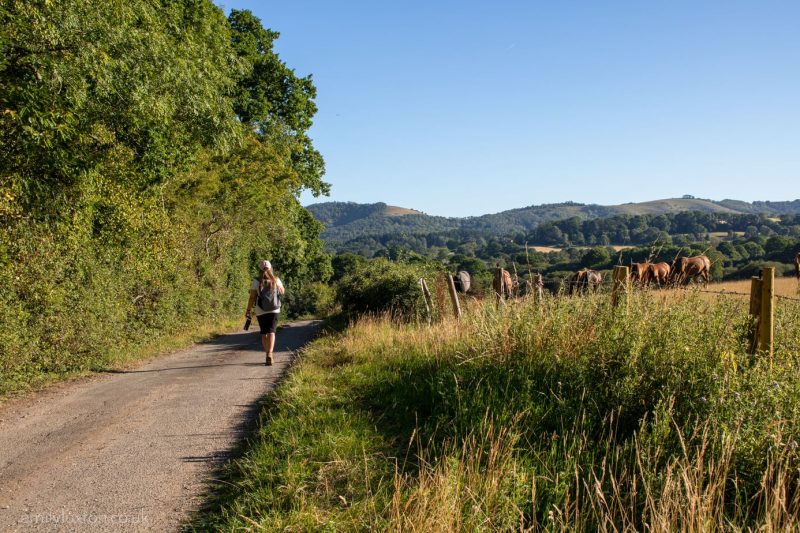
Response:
column 566, row 415
column 12, row 386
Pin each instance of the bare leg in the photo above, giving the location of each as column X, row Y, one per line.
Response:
column 265, row 342
column 268, row 342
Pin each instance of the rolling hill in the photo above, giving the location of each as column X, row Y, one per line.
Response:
column 348, row 220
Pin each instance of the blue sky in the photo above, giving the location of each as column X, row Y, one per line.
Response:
column 465, row 108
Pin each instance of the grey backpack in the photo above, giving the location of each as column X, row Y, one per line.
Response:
column 269, row 299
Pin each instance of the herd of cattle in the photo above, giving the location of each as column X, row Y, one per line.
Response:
column 680, row 272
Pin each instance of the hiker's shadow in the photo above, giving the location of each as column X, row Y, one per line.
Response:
column 248, row 341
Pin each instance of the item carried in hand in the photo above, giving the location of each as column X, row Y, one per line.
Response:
column 247, row 323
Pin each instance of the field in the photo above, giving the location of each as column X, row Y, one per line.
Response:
column 564, row 415
column 786, row 287
column 722, row 234
column 394, row 211
column 548, row 249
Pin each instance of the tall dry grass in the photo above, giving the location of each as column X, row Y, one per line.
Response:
column 563, row 415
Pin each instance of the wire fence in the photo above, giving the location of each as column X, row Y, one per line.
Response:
column 556, row 285
column 763, row 295
column 725, row 292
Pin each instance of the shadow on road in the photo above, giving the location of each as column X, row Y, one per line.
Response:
column 117, row 371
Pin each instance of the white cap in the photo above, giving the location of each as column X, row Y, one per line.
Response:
column 265, row 265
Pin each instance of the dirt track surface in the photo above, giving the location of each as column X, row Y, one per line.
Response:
column 132, row 450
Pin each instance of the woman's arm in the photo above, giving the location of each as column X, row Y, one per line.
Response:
column 250, row 302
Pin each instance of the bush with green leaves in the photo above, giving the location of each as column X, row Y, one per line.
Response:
column 309, row 299
column 383, row 286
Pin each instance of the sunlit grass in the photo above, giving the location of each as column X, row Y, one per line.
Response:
column 568, row 414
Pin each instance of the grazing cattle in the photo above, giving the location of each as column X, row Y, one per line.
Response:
column 462, row 281
column 685, row 269
column 584, row 280
column 660, row 273
column 797, row 266
column 502, row 284
column 641, row 272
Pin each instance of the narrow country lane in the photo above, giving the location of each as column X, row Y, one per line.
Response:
column 132, row 450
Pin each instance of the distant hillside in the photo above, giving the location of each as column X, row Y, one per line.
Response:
column 675, row 205
column 338, row 214
column 345, row 221
column 348, row 220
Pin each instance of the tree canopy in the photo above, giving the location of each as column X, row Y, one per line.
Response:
column 152, row 152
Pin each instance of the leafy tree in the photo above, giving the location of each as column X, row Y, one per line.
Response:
column 754, row 249
column 153, row 152
column 472, row 265
column 345, row 264
column 729, row 251
column 82, row 92
column 598, row 257
column 549, row 234
column 273, row 100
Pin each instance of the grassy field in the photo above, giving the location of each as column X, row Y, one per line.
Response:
column 786, row 286
column 548, row 249
column 394, row 211
column 569, row 415
column 739, row 289
column 722, row 234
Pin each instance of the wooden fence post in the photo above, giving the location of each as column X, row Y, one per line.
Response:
column 621, row 280
column 755, row 311
column 454, row 296
column 427, row 296
column 539, row 288
column 766, row 323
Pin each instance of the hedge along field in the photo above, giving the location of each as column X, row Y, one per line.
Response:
column 152, row 154
column 569, row 415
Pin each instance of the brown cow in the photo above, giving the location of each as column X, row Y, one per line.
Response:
column 584, row 280
column 659, row 272
column 685, row 269
column 502, row 284
column 641, row 272
column 797, row 266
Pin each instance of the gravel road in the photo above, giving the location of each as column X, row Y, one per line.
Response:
column 132, row 450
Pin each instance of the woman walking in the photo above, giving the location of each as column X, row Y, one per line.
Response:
column 265, row 294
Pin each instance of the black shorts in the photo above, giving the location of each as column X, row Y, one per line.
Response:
column 268, row 322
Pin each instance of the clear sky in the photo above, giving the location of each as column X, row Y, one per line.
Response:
column 463, row 108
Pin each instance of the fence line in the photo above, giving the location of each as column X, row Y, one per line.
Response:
column 724, row 292
column 762, row 299
column 608, row 282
